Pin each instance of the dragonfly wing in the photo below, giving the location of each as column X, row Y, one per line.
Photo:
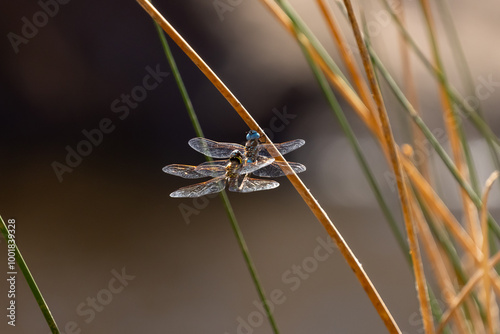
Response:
column 184, row 171
column 250, row 185
column 277, row 169
column 214, row 149
column 283, row 148
column 201, row 189
column 250, row 167
column 212, row 168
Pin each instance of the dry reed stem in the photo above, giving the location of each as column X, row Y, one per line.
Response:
column 486, row 252
column 452, row 129
column 349, row 61
column 441, row 210
column 294, row 179
column 432, row 250
column 423, row 296
column 465, row 291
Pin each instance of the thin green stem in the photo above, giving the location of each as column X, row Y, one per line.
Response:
column 223, row 194
column 31, row 282
column 179, row 81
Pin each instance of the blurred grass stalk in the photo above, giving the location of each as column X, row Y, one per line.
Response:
column 225, row 200
column 459, row 259
column 439, row 230
column 31, row 282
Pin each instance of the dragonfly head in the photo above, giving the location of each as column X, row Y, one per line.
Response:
column 236, row 157
column 252, row 135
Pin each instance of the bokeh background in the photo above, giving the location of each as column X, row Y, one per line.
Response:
column 113, row 210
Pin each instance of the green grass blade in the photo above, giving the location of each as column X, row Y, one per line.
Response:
column 179, row 81
column 225, row 200
column 31, row 283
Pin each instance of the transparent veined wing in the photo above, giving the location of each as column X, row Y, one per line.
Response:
column 212, row 168
column 277, row 169
column 212, row 186
column 249, row 184
column 184, row 171
column 214, row 149
column 250, row 167
column 283, row 148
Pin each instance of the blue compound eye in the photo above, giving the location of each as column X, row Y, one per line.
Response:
column 252, row 134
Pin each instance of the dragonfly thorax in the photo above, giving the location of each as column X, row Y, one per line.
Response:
column 252, row 149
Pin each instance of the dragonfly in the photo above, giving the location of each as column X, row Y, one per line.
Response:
column 232, row 173
column 252, row 150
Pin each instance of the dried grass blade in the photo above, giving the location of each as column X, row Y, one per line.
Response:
column 464, row 292
column 486, row 252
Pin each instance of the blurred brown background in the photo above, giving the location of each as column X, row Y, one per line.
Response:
column 112, row 211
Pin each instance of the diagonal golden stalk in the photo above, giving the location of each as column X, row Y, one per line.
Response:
column 465, row 292
column 485, row 248
column 294, row 179
column 423, row 296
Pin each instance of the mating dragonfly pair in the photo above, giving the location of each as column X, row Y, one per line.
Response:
column 253, row 158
